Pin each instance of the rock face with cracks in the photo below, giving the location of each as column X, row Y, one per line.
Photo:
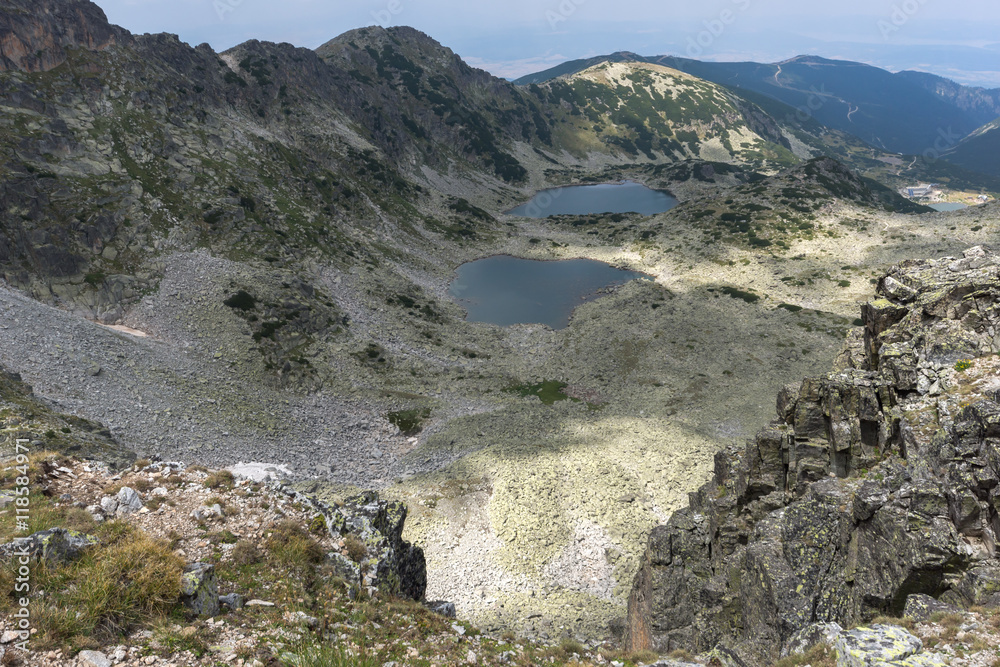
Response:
column 876, row 482
column 383, row 560
column 34, row 35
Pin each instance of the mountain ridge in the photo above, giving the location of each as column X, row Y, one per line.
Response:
column 947, row 104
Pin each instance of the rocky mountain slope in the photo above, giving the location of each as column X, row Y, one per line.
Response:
column 37, row 41
column 875, row 483
column 983, row 102
column 210, row 568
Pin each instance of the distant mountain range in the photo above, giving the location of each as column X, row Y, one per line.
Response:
column 907, row 112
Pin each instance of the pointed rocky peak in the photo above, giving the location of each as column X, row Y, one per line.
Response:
column 34, row 34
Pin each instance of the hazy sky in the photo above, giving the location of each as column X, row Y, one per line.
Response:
column 958, row 38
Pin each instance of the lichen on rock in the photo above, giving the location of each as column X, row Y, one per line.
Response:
column 387, row 562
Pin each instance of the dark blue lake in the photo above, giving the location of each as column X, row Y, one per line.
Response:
column 627, row 197
column 508, row 290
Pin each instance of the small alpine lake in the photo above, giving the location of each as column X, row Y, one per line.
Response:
column 626, row 197
column 507, row 290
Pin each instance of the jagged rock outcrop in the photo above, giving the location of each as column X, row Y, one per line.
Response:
column 387, row 562
column 34, row 34
column 875, row 482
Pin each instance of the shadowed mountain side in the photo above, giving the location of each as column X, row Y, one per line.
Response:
column 979, row 150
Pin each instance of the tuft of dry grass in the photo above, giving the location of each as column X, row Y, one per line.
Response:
column 820, row 655
column 907, row 623
column 127, row 580
column 290, row 544
column 568, row 647
column 38, row 464
column 356, row 549
column 947, row 619
column 246, row 553
column 220, row 479
column 640, row 657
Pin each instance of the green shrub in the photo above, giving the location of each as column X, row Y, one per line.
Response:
column 735, row 293
column 242, row 300
column 95, row 279
column 409, row 422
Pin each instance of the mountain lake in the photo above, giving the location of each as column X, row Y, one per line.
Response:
column 507, row 290
column 948, row 206
column 626, row 197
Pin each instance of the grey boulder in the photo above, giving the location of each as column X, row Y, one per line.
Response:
column 200, row 589
column 55, row 545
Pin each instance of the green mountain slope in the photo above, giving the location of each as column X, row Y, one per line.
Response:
column 654, row 112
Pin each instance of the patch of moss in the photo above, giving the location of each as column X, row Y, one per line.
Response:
column 548, row 392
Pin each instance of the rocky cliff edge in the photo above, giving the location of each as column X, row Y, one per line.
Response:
column 879, row 481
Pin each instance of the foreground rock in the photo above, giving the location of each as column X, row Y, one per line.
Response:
column 200, row 589
column 877, row 481
column 243, row 555
column 866, row 647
